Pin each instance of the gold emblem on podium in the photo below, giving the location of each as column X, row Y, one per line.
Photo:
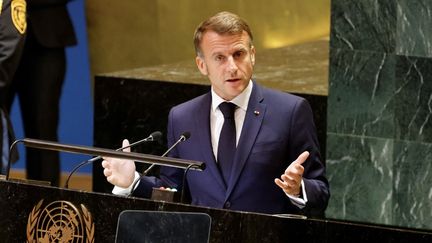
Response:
column 60, row 221
column 18, row 8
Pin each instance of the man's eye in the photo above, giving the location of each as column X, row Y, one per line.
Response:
column 238, row 54
column 219, row 58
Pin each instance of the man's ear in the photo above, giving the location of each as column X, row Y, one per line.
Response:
column 253, row 55
column 201, row 65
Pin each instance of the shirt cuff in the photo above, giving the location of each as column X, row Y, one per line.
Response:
column 121, row 191
column 300, row 202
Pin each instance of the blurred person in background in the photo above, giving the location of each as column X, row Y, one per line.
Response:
column 39, row 79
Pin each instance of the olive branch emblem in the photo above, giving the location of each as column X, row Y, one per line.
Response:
column 31, row 222
column 89, row 225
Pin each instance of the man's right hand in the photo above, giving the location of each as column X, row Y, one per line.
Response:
column 119, row 172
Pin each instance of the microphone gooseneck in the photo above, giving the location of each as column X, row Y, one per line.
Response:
column 154, row 136
column 185, row 136
column 10, row 157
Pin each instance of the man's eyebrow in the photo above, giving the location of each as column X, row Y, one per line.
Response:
column 240, row 48
column 235, row 49
column 216, row 53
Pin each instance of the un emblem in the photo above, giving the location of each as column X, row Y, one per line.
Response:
column 60, row 221
column 18, row 13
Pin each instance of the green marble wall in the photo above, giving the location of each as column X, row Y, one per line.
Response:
column 379, row 144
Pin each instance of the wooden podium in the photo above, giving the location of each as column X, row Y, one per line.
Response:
column 37, row 213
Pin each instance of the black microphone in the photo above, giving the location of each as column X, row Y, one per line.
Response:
column 154, row 136
column 185, row 136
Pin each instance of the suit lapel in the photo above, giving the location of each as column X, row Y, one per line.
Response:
column 251, row 127
column 202, row 123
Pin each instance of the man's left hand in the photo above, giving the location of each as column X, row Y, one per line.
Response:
column 290, row 181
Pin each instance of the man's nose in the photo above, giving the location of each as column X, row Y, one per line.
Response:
column 232, row 66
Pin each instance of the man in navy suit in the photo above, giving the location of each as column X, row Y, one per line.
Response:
column 275, row 166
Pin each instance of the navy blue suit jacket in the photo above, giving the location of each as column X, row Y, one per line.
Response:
column 278, row 127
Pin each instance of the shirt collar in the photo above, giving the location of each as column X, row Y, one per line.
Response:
column 241, row 100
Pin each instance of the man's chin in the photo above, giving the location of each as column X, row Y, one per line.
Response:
column 234, row 92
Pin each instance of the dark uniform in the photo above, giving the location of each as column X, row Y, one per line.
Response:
column 12, row 32
column 39, row 80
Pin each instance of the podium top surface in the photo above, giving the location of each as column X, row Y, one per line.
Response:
column 301, row 68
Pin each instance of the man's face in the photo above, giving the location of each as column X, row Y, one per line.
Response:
column 228, row 62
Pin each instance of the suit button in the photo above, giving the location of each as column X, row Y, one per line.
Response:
column 227, row 205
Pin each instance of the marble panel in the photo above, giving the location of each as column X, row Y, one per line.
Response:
column 413, row 99
column 360, row 174
column 414, row 32
column 379, row 109
column 363, row 25
column 360, row 91
column 412, row 204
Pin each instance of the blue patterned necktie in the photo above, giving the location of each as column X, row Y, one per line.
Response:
column 227, row 140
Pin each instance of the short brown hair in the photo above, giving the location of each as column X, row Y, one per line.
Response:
column 221, row 23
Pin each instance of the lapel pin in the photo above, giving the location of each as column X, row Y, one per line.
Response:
column 256, row 113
